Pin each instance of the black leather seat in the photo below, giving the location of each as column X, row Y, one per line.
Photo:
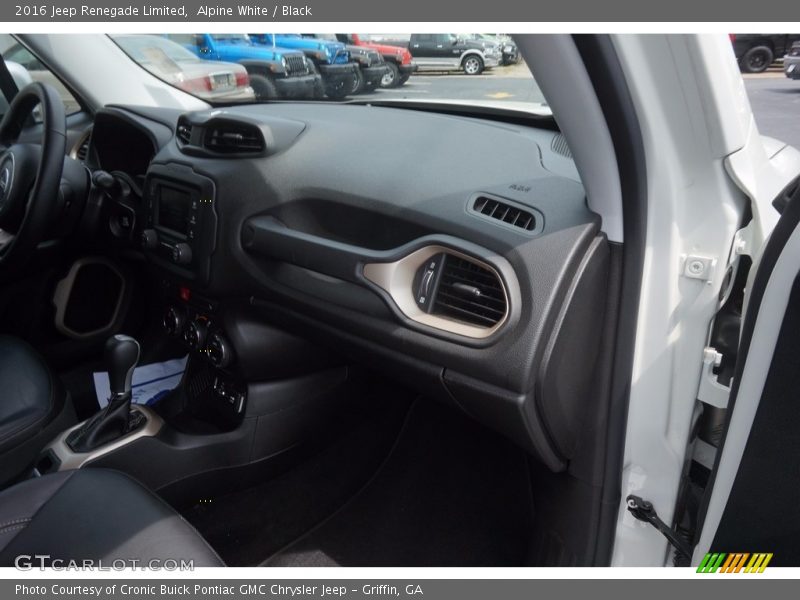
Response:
column 34, row 407
column 95, row 514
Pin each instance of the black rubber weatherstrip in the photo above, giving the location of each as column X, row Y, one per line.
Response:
column 608, row 79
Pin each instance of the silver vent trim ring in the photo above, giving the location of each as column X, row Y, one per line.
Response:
column 397, row 279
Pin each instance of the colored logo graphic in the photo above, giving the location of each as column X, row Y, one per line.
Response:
column 737, row 562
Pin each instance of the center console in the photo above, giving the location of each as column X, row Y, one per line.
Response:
column 251, row 392
column 180, row 239
column 213, row 383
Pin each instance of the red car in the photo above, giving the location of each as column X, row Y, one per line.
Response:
column 399, row 60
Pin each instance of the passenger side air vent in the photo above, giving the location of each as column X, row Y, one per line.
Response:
column 184, row 132
column 234, row 138
column 469, row 292
column 505, row 212
column 442, row 289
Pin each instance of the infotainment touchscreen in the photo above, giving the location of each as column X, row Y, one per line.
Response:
column 173, row 209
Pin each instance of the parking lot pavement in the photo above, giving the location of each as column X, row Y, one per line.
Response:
column 776, row 106
column 775, row 70
column 513, row 83
column 774, row 98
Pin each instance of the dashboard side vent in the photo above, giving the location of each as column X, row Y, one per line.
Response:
column 502, row 211
column 80, row 149
column 83, row 150
column 470, row 292
column 184, row 132
column 234, row 138
column 559, row 146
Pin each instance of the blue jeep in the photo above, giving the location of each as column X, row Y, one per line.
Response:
column 274, row 72
column 330, row 59
column 371, row 66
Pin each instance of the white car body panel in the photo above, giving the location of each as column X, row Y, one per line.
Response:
column 705, row 163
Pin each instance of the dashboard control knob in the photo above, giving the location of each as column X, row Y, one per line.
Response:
column 182, row 253
column 149, row 239
column 173, row 321
column 195, row 334
column 219, row 350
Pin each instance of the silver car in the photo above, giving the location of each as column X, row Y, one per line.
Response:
column 209, row 79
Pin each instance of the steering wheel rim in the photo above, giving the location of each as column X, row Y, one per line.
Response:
column 41, row 201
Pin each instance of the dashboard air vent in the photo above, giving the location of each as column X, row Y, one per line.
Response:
column 234, row 138
column 83, row 149
column 506, row 213
column 469, row 292
column 184, row 132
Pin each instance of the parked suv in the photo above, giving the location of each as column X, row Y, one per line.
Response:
column 791, row 62
column 399, row 64
column 330, row 59
column 274, row 72
column 507, row 45
column 756, row 51
column 449, row 52
column 371, row 66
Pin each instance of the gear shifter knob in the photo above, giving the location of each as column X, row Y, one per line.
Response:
column 114, row 421
column 121, row 357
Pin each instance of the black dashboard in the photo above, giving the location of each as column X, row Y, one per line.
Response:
column 456, row 254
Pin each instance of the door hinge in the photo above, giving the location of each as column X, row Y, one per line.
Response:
column 643, row 510
column 711, row 391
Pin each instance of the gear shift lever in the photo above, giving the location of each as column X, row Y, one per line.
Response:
column 115, row 420
column 121, row 356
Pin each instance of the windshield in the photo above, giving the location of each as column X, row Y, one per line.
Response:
column 145, row 48
column 455, row 68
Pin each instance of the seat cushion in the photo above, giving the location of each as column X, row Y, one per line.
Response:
column 95, row 514
column 30, row 396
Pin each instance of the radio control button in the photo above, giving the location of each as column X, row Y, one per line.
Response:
column 195, row 334
column 149, row 239
column 173, row 321
column 219, row 352
column 182, row 253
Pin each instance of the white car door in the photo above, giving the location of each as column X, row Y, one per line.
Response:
column 752, row 507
